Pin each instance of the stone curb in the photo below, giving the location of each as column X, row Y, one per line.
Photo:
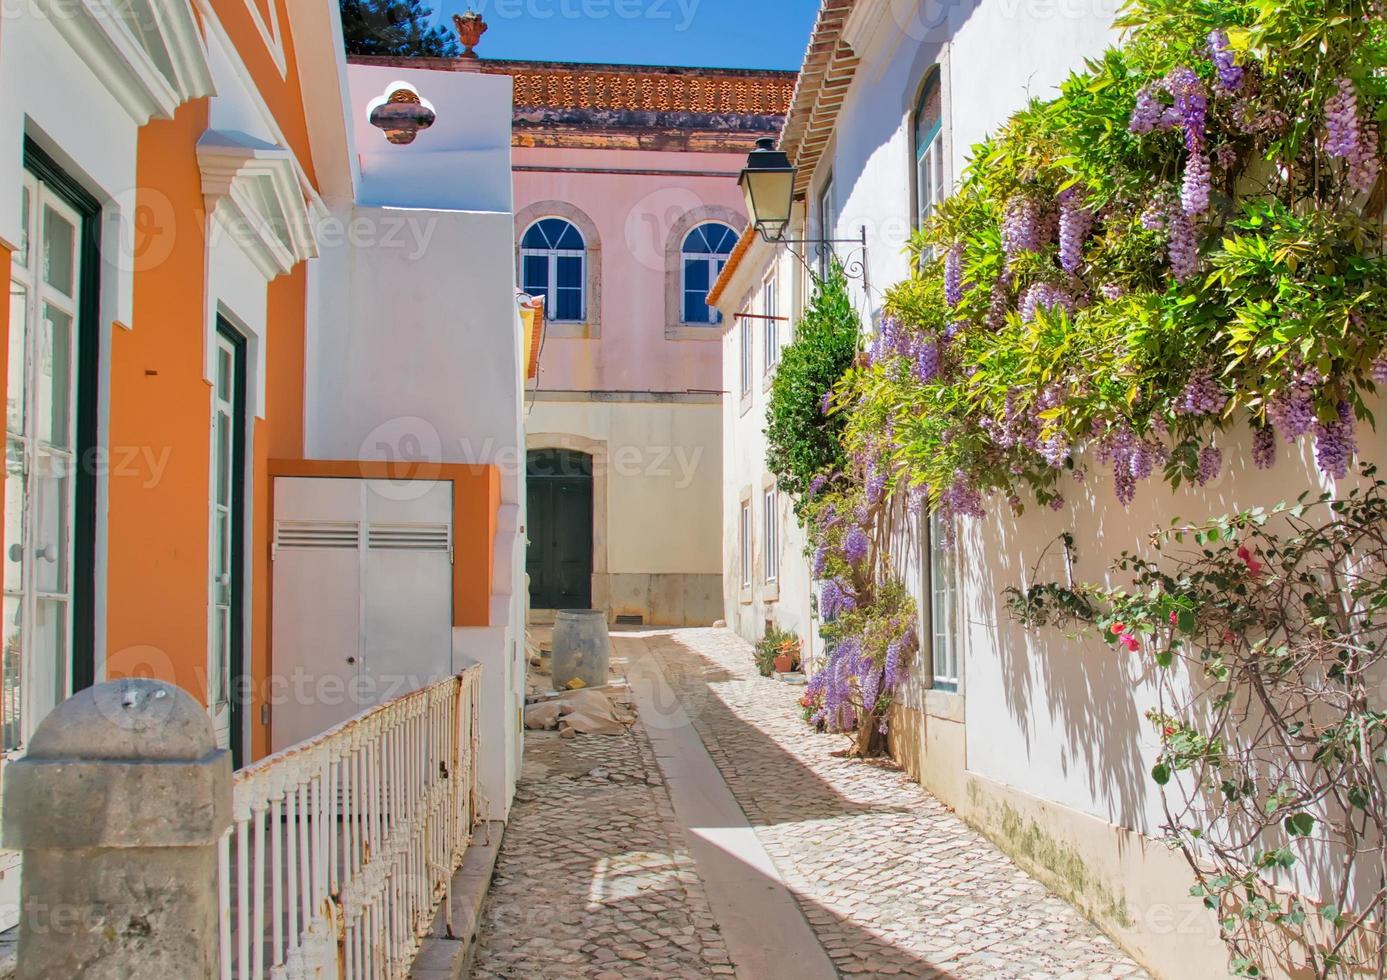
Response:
column 446, row 954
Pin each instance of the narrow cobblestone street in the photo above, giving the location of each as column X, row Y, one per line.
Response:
column 598, row 875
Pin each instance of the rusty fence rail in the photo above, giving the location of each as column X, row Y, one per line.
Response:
column 343, row 846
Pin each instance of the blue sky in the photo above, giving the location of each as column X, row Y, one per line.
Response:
column 709, row 33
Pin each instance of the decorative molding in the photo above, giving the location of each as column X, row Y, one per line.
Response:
column 591, row 327
column 270, row 33
column 675, row 327
column 148, row 53
column 216, row 31
column 254, row 187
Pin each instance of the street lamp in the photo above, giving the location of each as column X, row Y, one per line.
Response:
column 768, row 184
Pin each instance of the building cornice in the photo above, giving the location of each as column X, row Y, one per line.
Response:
column 124, row 61
column 830, row 64
column 253, row 186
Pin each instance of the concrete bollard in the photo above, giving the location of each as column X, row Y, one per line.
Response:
column 118, row 807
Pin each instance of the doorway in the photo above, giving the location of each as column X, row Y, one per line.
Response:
column 560, row 498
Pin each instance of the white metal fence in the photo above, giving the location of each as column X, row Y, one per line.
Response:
column 343, row 846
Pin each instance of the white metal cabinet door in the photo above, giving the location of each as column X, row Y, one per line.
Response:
column 408, row 586
column 317, row 614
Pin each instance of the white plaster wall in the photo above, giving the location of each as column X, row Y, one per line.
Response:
column 664, row 479
column 461, row 163
column 788, row 601
column 414, row 349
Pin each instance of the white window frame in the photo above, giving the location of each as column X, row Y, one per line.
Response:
column 746, row 355
column 942, row 591
column 770, row 534
column 715, row 262
column 828, row 223
column 551, row 293
column 930, row 185
column 770, row 309
column 26, row 274
column 746, row 544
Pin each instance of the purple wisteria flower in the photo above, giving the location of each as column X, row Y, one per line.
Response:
column 1351, row 138
column 1292, row 409
column 1378, row 370
column 820, row 561
column 1045, row 296
column 1022, row 226
column 1195, row 191
column 817, row 484
column 1191, row 104
column 825, row 402
column 1230, row 73
column 1147, row 113
column 1336, row 442
column 1202, row 395
column 875, row 484
column 1076, row 220
column 856, row 545
column 953, row 276
column 1210, row 465
column 1184, row 247
column 925, row 358
column 1264, row 447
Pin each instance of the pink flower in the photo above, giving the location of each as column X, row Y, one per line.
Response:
column 1129, row 641
column 1254, row 567
column 1175, row 619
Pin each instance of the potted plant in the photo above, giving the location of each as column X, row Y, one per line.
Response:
column 787, row 657
column 777, row 651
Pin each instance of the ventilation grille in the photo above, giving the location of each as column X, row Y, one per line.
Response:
column 631, row 620
column 317, row 535
column 410, row 537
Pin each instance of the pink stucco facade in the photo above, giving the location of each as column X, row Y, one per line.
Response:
column 640, row 203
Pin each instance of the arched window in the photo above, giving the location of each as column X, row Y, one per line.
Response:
column 703, row 255
column 553, row 259
column 929, row 148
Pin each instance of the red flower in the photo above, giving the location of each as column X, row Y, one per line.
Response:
column 1118, row 629
column 1129, row 641
column 1254, row 567
column 1175, row 619
column 1169, row 730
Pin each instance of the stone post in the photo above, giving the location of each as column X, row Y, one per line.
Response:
column 118, row 807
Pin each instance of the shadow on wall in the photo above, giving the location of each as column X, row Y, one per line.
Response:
column 1077, row 706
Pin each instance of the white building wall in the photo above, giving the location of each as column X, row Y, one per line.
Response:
column 788, row 602
column 415, row 352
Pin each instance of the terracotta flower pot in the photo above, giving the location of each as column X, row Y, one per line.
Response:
column 784, row 663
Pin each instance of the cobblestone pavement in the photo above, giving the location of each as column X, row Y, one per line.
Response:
column 595, row 879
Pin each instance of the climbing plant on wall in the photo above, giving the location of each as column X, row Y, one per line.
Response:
column 1188, row 239
column 1266, row 631
column 803, row 439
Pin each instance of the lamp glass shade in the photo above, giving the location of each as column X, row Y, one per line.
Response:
column 768, row 184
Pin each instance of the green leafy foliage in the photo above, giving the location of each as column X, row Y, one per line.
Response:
column 1046, row 351
column 802, row 440
column 395, row 28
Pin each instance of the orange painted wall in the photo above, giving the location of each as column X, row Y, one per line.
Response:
column 280, row 92
column 159, row 430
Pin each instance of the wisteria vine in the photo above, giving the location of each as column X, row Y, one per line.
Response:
column 1187, row 239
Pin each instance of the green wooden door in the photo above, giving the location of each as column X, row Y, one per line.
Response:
column 559, row 561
